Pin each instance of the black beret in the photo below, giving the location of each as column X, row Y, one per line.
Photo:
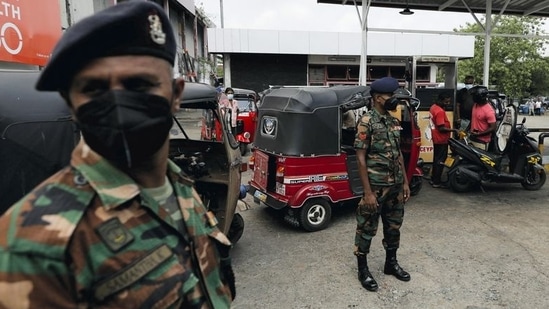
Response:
column 384, row 85
column 129, row 28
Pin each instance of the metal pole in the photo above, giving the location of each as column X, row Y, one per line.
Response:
column 363, row 73
column 221, row 13
column 487, row 40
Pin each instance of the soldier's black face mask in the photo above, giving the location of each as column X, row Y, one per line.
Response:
column 390, row 104
column 125, row 127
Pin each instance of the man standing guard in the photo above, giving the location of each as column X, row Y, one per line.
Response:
column 121, row 227
column 383, row 176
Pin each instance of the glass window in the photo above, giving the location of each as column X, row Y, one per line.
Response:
column 398, row 72
column 423, row 73
column 337, row 72
column 354, row 72
column 377, row 72
column 316, row 74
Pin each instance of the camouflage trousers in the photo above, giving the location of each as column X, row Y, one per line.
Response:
column 391, row 210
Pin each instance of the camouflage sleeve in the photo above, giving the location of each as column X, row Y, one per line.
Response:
column 29, row 281
column 363, row 136
column 33, row 270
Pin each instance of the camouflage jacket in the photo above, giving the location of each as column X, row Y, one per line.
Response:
column 379, row 135
column 88, row 237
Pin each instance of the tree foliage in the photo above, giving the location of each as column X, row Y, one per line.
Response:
column 517, row 65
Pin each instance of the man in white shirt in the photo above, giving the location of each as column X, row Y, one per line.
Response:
column 537, row 107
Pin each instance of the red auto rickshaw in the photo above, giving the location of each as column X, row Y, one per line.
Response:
column 246, row 122
column 247, row 117
column 303, row 160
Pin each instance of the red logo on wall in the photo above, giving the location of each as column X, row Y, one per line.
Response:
column 29, row 30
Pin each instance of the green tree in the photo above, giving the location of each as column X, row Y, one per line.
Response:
column 517, row 66
column 540, row 79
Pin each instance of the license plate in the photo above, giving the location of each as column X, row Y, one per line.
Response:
column 260, row 196
column 449, row 161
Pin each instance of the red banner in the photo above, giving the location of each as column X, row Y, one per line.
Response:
column 29, row 30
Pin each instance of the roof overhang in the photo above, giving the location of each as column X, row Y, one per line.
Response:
column 509, row 7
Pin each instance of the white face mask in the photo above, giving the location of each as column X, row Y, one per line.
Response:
column 468, row 86
column 230, row 96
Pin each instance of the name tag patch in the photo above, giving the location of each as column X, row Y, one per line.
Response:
column 133, row 272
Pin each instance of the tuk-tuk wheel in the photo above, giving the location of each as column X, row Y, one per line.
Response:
column 243, row 149
column 416, row 184
column 237, row 228
column 315, row 214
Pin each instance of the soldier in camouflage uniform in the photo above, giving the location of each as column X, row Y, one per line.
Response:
column 383, row 177
column 120, row 227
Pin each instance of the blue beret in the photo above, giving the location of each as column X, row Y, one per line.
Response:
column 384, row 85
column 128, row 28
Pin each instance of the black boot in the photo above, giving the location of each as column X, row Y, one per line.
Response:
column 392, row 267
column 364, row 276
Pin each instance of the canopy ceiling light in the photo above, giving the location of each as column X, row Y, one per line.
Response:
column 406, row 11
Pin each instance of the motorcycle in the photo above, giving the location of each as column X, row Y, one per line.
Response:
column 520, row 162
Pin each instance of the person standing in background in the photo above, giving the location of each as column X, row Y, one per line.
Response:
column 464, row 104
column 483, row 123
column 232, row 105
column 537, row 106
column 440, row 135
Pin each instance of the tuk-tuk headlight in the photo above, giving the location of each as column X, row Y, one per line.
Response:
column 251, row 162
column 247, row 135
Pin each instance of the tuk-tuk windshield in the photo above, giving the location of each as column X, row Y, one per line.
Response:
column 245, row 105
column 199, row 116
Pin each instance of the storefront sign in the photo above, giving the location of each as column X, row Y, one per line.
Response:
column 28, row 30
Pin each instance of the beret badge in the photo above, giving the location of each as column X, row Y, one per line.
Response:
column 157, row 35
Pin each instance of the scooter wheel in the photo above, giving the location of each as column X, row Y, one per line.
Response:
column 460, row 183
column 315, row 214
column 534, row 180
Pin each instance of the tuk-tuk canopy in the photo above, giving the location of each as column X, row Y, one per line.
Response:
column 306, row 121
column 310, row 99
column 20, row 102
column 37, row 135
column 195, row 95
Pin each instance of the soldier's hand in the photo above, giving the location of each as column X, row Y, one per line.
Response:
column 406, row 192
column 369, row 200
